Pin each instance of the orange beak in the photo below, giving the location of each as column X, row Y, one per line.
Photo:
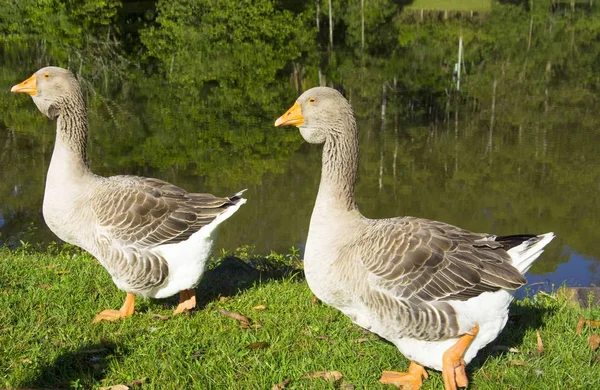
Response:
column 293, row 116
column 28, row 86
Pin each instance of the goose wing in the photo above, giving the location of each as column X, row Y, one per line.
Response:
column 424, row 261
column 146, row 212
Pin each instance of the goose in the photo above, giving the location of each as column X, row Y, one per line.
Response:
column 151, row 236
column 439, row 293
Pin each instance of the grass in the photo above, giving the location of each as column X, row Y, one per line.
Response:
column 452, row 5
column 48, row 300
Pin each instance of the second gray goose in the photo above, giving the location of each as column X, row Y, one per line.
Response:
column 438, row 292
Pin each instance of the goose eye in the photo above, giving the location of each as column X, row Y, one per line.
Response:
column 312, row 100
column 46, row 76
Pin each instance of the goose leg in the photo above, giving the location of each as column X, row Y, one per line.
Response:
column 453, row 365
column 112, row 315
column 187, row 301
column 410, row 380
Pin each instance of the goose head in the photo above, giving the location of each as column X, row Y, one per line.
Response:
column 51, row 89
column 319, row 113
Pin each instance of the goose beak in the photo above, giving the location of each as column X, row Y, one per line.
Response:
column 293, row 116
column 28, row 86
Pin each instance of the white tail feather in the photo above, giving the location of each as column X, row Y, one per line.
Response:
column 239, row 194
column 525, row 254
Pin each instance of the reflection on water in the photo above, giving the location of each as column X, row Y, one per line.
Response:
column 578, row 270
column 516, row 151
column 405, row 169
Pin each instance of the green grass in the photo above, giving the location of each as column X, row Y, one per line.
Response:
column 452, row 5
column 48, row 300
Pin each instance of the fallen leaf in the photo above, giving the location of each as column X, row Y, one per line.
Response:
column 327, row 375
column 235, row 316
column 593, row 323
column 115, row 387
column 517, row 363
column 314, row 300
column 580, row 324
column 160, row 317
column 258, row 345
column 540, row 345
column 281, row 385
column 594, row 341
column 26, row 360
column 582, row 321
column 63, row 272
column 44, row 286
column 360, row 340
column 138, row 382
column 324, row 338
column 244, row 321
column 259, row 307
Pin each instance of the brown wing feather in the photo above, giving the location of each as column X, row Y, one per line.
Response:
column 146, row 212
column 422, row 260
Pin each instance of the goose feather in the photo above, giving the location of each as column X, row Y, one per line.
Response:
column 419, row 283
column 152, row 236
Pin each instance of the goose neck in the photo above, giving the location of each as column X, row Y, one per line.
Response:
column 72, row 128
column 340, row 165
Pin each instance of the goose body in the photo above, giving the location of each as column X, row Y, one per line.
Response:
column 438, row 292
column 399, row 302
column 151, row 236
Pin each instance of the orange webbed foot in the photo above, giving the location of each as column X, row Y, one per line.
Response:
column 113, row 315
column 187, row 301
column 460, row 375
column 411, row 380
column 453, row 364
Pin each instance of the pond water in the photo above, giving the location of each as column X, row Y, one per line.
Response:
column 529, row 180
column 517, row 150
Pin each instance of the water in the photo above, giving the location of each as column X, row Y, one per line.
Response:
column 517, row 150
column 527, row 182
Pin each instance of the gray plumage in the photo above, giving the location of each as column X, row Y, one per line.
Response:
column 151, row 236
column 419, row 283
column 136, row 214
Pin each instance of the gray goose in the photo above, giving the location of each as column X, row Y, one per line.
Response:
column 152, row 237
column 438, row 292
